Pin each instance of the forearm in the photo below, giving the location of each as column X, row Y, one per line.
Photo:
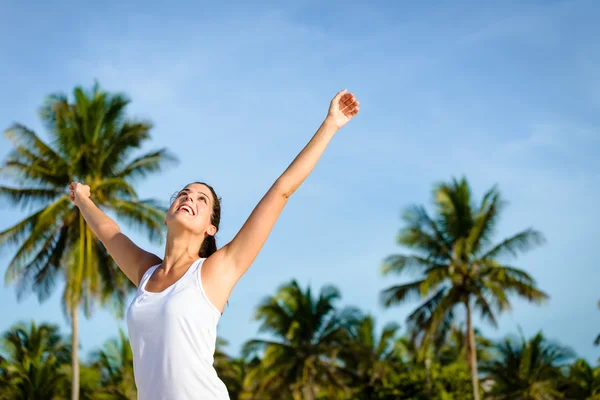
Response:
column 101, row 224
column 305, row 162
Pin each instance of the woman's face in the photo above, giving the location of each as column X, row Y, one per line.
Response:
column 192, row 210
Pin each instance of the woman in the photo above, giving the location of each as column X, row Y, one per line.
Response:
column 172, row 320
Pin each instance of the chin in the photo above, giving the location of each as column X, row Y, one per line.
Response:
column 180, row 222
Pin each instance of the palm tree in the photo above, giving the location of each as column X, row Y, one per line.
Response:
column 90, row 140
column 232, row 371
column 309, row 334
column 583, row 381
column 459, row 265
column 34, row 363
column 527, row 369
column 369, row 359
column 115, row 364
column 454, row 348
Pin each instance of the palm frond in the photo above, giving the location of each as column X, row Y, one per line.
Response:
column 453, row 203
column 25, row 197
column 484, row 221
column 47, row 223
column 26, row 139
column 40, row 274
column 419, row 317
column 433, row 319
column 519, row 243
column 515, row 281
column 145, row 164
column 274, row 317
column 113, row 188
column 128, row 136
column 14, row 235
column 485, row 310
column 424, row 234
column 145, row 214
column 398, row 263
column 400, row 293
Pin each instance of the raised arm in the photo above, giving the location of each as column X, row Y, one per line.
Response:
column 130, row 258
column 226, row 266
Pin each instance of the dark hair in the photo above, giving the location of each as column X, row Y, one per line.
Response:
column 209, row 244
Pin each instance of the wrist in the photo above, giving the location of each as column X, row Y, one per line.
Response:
column 82, row 202
column 330, row 124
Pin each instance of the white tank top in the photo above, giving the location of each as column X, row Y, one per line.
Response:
column 173, row 335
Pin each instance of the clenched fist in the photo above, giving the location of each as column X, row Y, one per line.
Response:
column 343, row 108
column 78, row 192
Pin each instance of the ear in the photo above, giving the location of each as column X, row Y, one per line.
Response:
column 212, row 230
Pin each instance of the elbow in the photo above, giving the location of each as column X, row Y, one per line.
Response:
column 283, row 189
column 108, row 231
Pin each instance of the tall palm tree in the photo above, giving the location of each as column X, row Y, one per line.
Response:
column 114, row 361
column 527, row 369
column 34, row 362
column 583, row 381
column 460, row 266
column 369, row 359
column 91, row 141
column 309, row 333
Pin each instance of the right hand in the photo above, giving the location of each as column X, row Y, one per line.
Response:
column 78, row 192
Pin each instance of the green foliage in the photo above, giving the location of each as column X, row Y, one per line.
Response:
column 90, row 141
column 527, row 369
column 583, row 381
column 114, row 362
column 34, row 362
column 309, row 334
column 459, row 263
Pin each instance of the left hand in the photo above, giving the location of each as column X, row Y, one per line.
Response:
column 343, row 108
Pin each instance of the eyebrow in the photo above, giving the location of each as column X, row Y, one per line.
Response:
column 189, row 191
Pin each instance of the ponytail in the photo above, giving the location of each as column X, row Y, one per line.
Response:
column 208, row 247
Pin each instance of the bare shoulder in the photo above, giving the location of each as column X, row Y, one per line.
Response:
column 149, row 261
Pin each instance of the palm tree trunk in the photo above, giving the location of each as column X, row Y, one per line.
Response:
column 472, row 352
column 75, row 352
column 308, row 389
column 428, row 375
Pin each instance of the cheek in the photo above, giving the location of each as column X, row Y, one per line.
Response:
column 171, row 211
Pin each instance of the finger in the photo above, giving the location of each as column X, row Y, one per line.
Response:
column 347, row 99
column 339, row 95
column 350, row 112
column 350, row 105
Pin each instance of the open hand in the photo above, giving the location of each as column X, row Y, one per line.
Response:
column 78, row 192
column 343, row 108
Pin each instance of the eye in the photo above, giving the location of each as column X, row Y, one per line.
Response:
column 202, row 198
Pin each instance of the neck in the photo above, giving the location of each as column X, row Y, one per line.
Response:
column 181, row 250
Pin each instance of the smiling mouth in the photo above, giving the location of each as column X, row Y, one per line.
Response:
column 187, row 209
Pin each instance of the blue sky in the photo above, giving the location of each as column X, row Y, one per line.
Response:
column 505, row 94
